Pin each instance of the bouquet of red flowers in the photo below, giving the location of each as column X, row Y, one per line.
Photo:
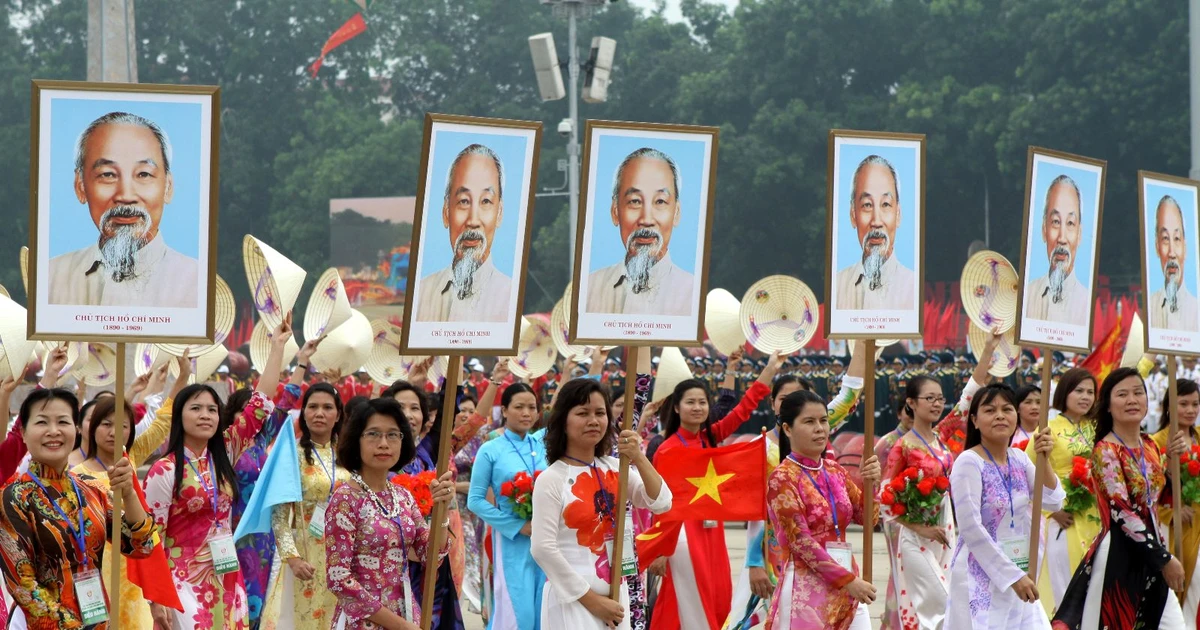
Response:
column 418, row 486
column 520, row 492
column 1189, row 476
column 1078, row 484
column 914, row 497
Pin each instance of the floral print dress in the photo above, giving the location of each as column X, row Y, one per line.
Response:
column 188, row 522
column 573, row 511
column 810, row 592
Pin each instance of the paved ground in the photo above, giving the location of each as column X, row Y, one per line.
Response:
column 735, row 539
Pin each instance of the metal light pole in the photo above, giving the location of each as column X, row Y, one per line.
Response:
column 573, row 140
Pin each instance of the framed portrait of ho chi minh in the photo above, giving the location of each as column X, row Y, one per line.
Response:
column 471, row 231
column 123, row 212
column 875, row 250
column 1060, row 249
column 644, row 231
column 1168, row 209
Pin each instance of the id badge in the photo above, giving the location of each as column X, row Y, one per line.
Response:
column 224, row 554
column 90, row 594
column 710, row 524
column 842, row 553
column 316, row 525
column 1016, row 548
column 629, row 565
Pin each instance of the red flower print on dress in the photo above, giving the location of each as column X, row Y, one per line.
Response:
column 591, row 516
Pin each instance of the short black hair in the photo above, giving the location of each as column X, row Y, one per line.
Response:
column 349, row 453
column 45, row 396
column 983, row 397
column 105, row 408
column 576, row 392
column 306, row 443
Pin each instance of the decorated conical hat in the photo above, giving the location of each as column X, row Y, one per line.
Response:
column 1007, row 356
column 560, row 331
column 15, row 347
column 224, row 313
column 437, row 371
column 76, row 350
column 535, row 349
column 24, row 258
column 672, row 370
column 989, row 287
column 328, row 306
column 260, row 348
column 779, row 313
column 99, row 367
column 203, row 366
column 385, row 365
column 346, row 348
column 275, row 281
column 1135, row 346
column 723, row 321
column 148, row 357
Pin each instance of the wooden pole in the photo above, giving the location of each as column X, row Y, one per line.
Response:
column 1176, row 491
column 868, row 495
column 115, row 557
column 614, row 563
column 438, row 533
column 1035, row 527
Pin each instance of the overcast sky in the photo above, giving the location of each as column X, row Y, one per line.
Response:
column 673, row 6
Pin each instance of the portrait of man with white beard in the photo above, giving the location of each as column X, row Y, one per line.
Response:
column 470, row 288
column 123, row 176
column 1059, row 296
column 877, row 281
column 645, row 209
column 1172, row 305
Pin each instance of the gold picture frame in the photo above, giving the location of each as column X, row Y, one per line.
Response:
column 114, row 324
column 408, row 344
column 1186, row 347
column 690, row 335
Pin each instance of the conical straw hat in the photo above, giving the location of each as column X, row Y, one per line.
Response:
column 275, row 281
column 437, row 371
column 260, row 348
column 723, row 321
column 224, row 313
column 385, row 365
column 560, row 331
column 779, row 313
column 535, row 349
column 203, row 366
column 76, row 350
column 1007, row 356
column 99, row 367
column 15, row 347
column 328, row 306
column 989, row 286
column 1135, row 346
column 24, row 258
column 147, row 358
column 566, row 300
column 672, row 370
column 346, row 348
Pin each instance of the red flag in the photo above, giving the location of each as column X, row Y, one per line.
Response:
column 657, row 542
column 153, row 574
column 728, row 483
column 348, row 31
column 1107, row 354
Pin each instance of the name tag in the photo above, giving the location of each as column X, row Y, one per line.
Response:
column 90, row 593
column 842, row 553
column 224, row 554
column 1016, row 548
column 316, row 525
column 629, row 564
column 710, row 524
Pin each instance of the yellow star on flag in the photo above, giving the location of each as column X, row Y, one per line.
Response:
column 708, row 484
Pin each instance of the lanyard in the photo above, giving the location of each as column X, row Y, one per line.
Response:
column 1023, row 431
column 837, row 529
column 80, row 535
column 1007, row 479
column 532, row 460
column 606, row 499
column 211, row 490
column 1141, row 464
column 941, row 462
column 332, row 467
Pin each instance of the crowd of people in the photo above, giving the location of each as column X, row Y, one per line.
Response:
column 532, row 487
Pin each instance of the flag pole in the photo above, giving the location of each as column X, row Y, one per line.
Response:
column 119, row 420
column 1035, row 526
column 438, row 533
column 615, row 565
column 868, row 495
column 1176, row 490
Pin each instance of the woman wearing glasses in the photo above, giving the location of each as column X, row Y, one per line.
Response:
column 373, row 525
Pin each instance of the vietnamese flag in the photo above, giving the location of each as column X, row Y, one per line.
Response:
column 657, row 542
column 728, row 483
column 1106, row 357
column 353, row 27
column 153, row 574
